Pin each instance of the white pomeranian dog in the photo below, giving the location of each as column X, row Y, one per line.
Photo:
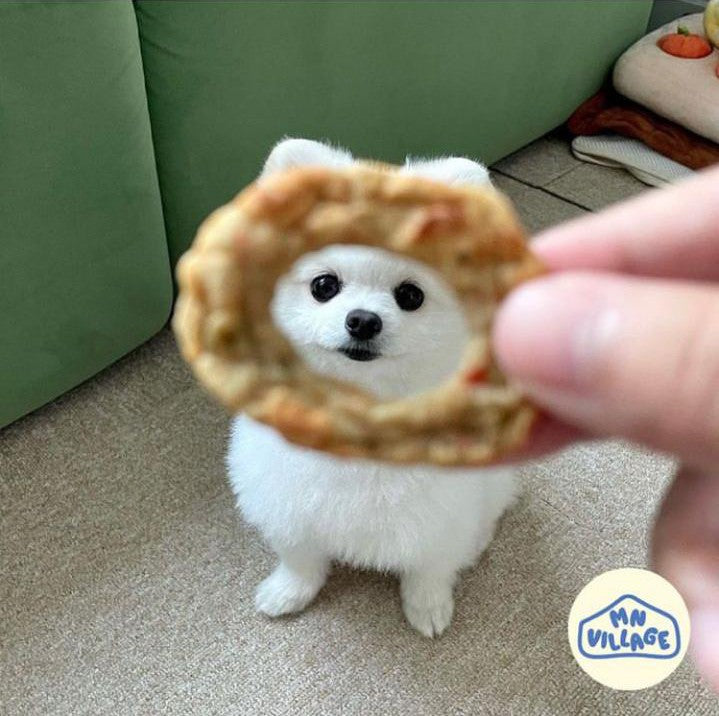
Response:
column 392, row 326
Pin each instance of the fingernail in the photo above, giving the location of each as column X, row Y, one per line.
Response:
column 554, row 332
column 704, row 644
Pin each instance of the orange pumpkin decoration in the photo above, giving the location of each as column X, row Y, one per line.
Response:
column 683, row 43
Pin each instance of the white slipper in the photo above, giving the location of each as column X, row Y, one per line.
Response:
column 644, row 163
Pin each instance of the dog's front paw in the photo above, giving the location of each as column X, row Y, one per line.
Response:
column 428, row 603
column 285, row 592
column 430, row 620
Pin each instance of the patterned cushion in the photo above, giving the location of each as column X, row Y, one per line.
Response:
column 683, row 90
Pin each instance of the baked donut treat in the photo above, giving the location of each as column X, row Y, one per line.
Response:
column 223, row 322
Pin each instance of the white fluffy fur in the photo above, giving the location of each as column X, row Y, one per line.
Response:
column 423, row 522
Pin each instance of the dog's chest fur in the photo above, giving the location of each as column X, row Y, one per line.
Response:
column 365, row 513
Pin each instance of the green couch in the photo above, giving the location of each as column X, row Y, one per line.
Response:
column 123, row 124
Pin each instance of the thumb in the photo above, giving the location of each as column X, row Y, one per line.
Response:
column 619, row 356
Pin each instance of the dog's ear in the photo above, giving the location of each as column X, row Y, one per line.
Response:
column 290, row 153
column 450, row 170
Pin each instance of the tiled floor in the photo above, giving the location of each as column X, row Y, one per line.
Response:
column 540, row 162
column 549, row 185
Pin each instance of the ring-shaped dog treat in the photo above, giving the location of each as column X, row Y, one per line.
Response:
column 224, row 326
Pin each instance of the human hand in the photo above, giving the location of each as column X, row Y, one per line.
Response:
column 622, row 339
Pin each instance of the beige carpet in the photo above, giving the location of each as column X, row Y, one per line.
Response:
column 127, row 579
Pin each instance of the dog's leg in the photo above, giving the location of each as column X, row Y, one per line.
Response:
column 427, row 598
column 294, row 583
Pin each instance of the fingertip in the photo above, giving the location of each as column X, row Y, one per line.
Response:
column 532, row 329
column 512, row 322
column 574, row 245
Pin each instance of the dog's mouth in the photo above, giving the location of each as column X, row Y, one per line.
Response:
column 364, row 351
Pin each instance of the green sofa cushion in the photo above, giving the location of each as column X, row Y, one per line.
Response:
column 85, row 274
column 227, row 80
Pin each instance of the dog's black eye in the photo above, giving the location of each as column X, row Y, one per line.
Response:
column 409, row 297
column 325, row 287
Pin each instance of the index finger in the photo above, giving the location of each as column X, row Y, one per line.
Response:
column 668, row 233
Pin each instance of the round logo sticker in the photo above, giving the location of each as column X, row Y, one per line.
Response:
column 629, row 629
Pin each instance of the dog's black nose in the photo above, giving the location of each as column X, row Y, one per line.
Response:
column 363, row 325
